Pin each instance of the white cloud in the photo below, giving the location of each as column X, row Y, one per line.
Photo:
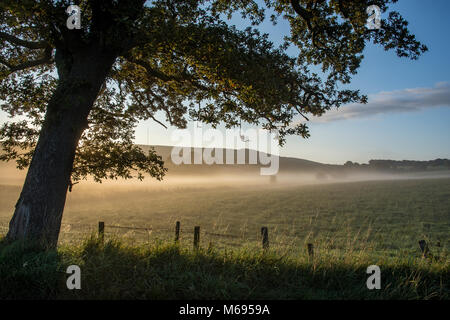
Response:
column 406, row 100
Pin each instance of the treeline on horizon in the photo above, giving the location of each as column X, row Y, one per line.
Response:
column 402, row 165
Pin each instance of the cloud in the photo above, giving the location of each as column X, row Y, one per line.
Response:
column 398, row 101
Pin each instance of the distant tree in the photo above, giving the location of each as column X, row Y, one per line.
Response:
column 84, row 90
column 442, row 163
column 350, row 164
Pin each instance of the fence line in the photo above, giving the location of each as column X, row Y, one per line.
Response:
column 133, row 228
column 264, row 233
column 264, row 236
column 178, row 230
column 107, row 226
column 222, row 235
column 196, row 231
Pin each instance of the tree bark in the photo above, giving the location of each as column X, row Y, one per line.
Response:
column 38, row 212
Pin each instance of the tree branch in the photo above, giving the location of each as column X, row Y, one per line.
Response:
column 23, row 43
column 300, row 113
column 6, row 63
column 45, row 59
column 306, row 15
column 133, row 93
column 162, row 76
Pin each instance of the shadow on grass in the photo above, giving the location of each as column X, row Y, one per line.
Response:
column 27, row 272
column 116, row 271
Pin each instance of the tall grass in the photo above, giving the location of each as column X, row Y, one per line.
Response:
column 115, row 270
column 351, row 225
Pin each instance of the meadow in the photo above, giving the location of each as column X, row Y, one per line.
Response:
column 352, row 225
column 378, row 215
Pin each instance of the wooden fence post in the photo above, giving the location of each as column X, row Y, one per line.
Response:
column 425, row 250
column 311, row 250
column 177, row 232
column 265, row 238
column 101, row 231
column 196, row 237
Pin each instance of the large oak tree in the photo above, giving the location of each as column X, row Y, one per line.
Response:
column 81, row 92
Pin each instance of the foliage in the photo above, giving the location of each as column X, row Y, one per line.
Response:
column 181, row 58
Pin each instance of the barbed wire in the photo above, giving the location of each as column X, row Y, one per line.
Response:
column 91, row 226
column 125, row 227
column 222, row 235
column 70, row 233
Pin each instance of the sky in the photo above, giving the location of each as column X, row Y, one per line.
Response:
column 408, row 114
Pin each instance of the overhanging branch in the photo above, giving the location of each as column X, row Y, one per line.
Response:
column 23, row 43
column 45, row 59
column 300, row 10
column 164, row 77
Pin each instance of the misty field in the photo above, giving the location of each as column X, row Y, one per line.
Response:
column 383, row 216
column 351, row 225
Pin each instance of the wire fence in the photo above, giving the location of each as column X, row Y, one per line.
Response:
column 220, row 234
column 78, row 232
column 186, row 235
column 189, row 233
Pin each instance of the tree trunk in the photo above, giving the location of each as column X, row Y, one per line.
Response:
column 38, row 212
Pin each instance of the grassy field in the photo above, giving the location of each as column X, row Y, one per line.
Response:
column 352, row 226
column 379, row 215
column 167, row 271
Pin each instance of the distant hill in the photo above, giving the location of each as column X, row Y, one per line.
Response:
column 290, row 165
column 285, row 163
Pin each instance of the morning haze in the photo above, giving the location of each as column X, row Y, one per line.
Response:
column 97, row 101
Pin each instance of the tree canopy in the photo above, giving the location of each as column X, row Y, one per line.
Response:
column 184, row 59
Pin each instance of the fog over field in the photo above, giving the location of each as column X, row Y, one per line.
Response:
column 292, row 171
column 354, row 216
column 227, row 196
